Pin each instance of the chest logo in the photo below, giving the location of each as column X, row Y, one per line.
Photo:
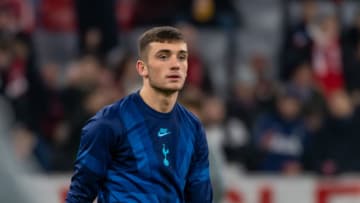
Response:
column 163, row 132
column 165, row 152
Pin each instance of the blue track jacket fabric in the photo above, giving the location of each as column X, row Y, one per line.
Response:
column 131, row 153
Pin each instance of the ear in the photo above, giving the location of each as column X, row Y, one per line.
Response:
column 141, row 68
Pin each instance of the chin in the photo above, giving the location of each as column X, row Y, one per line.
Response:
column 176, row 87
column 173, row 89
column 168, row 89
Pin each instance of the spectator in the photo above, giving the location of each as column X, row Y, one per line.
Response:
column 352, row 59
column 298, row 42
column 327, row 55
column 281, row 135
column 302, row 83
column 243, row 104
column 96, row 19
column 209, row 13
column 57, row 16
column 335, row 149
column 253, row 90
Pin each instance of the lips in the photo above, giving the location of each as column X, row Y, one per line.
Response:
column 173, row 76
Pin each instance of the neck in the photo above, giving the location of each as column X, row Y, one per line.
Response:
column 159, row 101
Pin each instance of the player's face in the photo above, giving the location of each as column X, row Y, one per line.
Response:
column 166, row 65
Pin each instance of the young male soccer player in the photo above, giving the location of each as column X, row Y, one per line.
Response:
column 146, row 147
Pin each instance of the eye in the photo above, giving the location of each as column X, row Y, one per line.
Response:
column 162, row 56
column 183, row 57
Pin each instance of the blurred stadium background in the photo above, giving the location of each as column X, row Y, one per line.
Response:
column 276, row 84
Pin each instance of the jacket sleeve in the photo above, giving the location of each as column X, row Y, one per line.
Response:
column 91, row 163
column 198, row 187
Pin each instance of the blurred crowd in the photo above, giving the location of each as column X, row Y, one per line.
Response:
column 295, row 113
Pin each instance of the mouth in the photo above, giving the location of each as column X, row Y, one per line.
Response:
column 173, row 77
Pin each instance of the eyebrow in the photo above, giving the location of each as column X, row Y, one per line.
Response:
column 169, row 51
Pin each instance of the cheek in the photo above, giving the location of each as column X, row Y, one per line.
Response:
column 153, row 71
column 185, row 67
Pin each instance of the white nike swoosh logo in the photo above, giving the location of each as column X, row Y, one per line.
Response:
column 161, row 134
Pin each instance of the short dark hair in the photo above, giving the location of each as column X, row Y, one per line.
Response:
column 158, row 34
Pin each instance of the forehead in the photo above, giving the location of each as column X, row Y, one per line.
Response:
column 155, row 47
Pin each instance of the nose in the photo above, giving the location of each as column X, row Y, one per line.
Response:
column 175, row 63
column 174, row 67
